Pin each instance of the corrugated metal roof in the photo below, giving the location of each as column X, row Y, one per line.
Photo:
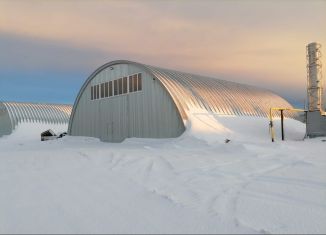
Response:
column 36, row 112
column 191, row 91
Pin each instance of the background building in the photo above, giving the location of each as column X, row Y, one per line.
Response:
column 13, row 114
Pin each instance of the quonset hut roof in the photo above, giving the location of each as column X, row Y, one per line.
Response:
column 17, row 112
column 219, row 96
column 195, row 92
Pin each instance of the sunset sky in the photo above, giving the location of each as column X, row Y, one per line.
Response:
column 48, row 48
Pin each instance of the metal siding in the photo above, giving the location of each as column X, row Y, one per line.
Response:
column 149, row 113
column 316, row 124
column 5, row 121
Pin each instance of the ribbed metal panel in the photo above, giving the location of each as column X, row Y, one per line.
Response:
column 215, row 95
column 34, row 112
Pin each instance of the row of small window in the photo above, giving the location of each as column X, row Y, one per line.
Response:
column 119, row 86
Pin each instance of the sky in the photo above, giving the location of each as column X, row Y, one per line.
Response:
column 49, row 48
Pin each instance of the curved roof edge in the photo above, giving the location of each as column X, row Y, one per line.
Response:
column 90, row 77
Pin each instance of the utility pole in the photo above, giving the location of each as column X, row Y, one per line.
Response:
column 282, row 123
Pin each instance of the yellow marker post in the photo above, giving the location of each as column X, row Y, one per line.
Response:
column 271, row 126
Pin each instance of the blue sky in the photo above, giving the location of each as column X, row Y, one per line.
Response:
column 39, row 71
column 48, row 48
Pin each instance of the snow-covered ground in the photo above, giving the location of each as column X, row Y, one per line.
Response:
column 196, row 183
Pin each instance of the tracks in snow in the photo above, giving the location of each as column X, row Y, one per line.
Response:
column 193, row 179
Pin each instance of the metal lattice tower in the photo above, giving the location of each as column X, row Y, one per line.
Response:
column 314, row 77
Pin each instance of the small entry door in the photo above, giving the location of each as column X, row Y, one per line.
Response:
column 114, row 119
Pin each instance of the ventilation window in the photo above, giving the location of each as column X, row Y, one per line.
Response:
column 106, row 88
column 120, row 86
column 130, row 84
column 125, row 85
column 139, row 82
column 134, row 80
column 102, row 90
column 97, row 91
column 110, row 88
column 115, row 87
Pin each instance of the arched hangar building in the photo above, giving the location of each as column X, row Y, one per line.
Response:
column 12, row 114
column 124, row 99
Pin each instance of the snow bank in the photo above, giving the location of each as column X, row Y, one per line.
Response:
column 32, row 131
column 212, row 127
